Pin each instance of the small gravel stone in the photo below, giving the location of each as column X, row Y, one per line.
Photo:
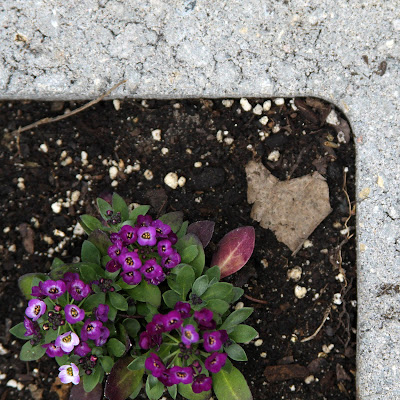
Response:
column 267, row 105
column 114, row 183
column 263, row 120
column 258, row 342
column 309, row 379
column 258, row 109
column 263, row 354
column 295, row 273
column 276, row 129
column 327, row 348
column 116, row 104
column 56, row 207
column 227, row 103
column 43, row 148
column 274, row 156
column 156, row 134
column 113, row 172
column 337, row 299
column 148, row 174
column 245, row 104
column 332, row 118
column 307, row 244
column 164, row 151
column 228, row 140
column 239, row 305
column 219, row 136
column 198, row 164
column 300, row 291
column 75, row 196
column 171, row 180
column 279, row 101
column 182, row 181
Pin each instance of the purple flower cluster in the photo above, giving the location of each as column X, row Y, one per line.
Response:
column 133, row 250
column 190, row 337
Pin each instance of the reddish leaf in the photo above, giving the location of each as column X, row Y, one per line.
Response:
column 78, row 393
column 122, row 382
column 234, row 250
column 203, row 230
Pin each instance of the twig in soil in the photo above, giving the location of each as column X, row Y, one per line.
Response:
column 49, row 120
column 326, row 314
column 351, row 210
column 255, row 300
column 296, row 164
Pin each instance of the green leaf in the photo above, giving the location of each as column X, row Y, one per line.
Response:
column 183, row 229
column 200, row 285
column 119, row 205
column 103, row 208
column 173, row 391
column 237, row 294
column 219, row 306
column 93, row 301
column 146, row 292
column 115, row 347
column 235, row 352
column 19, row 331
column 187, row 392
column 57, row 262
column 171, row 298
column 25, row 283
column 173, row 219
column 214, row 272
column 138, row 363
column 90, row 253
column 123, row 382
column 107, row 363
column 189, row 253
column 112, row 313
column 243, row 333
column 89, row 223
column 58, row 272
column 141, row 210
column 136, row 392
column 31, row 353
column 154, row 388
column 183, row 281
column 231, row 385
column 220, row 290
column 100, row 240
column 50, row 335
column 118, row 301
column 62, row 360
column 132, row 327
column 189, row 240
column 236, row 318
column 87, row 273
column 90, row 381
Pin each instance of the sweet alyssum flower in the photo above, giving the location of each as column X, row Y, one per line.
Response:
column 189, row 335
column 82, row 349
column 73, row 313
column 67, row 341
column 32, row 328
column 215, row 362
column 101, row 312
column 53, row 289
column 202, row 383
column 69, row 373
column 36, row 308
column 52, row 350
column 78, row 289
column 154, row 365
column 147, row 236
column 128, row 234
column 213, row 340
column 181, row 375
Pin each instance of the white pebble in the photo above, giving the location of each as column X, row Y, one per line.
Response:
column 171, row 180
column 295, row 273
column 228, row 140
column 279, row 101
column 182, row 181
column 219, row 136
column 264, row 262
column 307, row 244
column 148, row 175
column 309, row 379
column 164, row 151
column 239, row 305
column 14, row 384
column 258, row 109
column 59, row 142
column 156, row 134
column 198, row 164
column 113, row 172
column 67, row 161
column 84, row 155
column 78, row 177
column 327, row 349
column 21, row 184
column 136, row 166
column 263, row 120
column 245, row 104
column 337, row 299
column 263, row 354
column 116, row 104
column 43, row 148
column 276, row 129
column 340, row 277
column 258, row 342
column 57, row 232
column 75, row 196
column 300, row 291
column 274, row 156
column 6, row 229
column 3, row 350
column 267, row 105
column 292, row 388
column 114, row 183
column 78, row 230
column 56, row 207
column 332, row 118
column 227, row 103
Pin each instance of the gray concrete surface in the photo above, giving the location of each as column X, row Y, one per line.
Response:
column 53, row 49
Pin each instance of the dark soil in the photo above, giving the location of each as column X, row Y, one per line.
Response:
column 31, row 180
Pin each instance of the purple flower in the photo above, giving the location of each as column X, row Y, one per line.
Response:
column 181, row 375
column 32, row 328
column 147, row 236
column 132, row 277
column 52, row 350
column 91, row 330
column 38, row 292
column 172, row 321
column 171, row 260
column 67, row 341
column 148, row 341
column 130, row 261
column 215, row 362
column 70, row 276
column 78, row 289
column 101, row 312
column 82, row 349
column 173, row 238
column 102, row 339
column 69, row 373
column 201, row 383
column 165, row 378
column 112, row 266
column 183, row 309
column 151, row 269
column 196, row 367
column 204, row 318
column 114, row 237
column 156, row 325
column 36, row 308
column 157, row 280
column 189, row 335
column 154, row 365
column 128, row 234
column 144, row 220
column 53, row 289
column 73, row 313
column 212, row 341
column 164, row 248
column 115, row 250
column 162, row 229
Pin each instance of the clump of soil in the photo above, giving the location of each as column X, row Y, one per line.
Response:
column 52, row 174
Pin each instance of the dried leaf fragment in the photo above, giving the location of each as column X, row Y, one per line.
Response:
column 292, row 209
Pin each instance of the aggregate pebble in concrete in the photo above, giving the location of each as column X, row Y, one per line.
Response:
column 345, row 52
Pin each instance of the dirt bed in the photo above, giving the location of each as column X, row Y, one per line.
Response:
column 52, row 174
